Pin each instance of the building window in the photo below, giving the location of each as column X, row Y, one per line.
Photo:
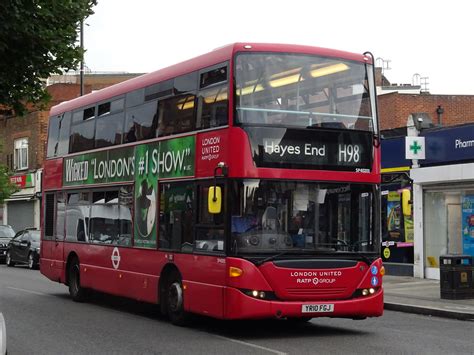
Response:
column 21, row 154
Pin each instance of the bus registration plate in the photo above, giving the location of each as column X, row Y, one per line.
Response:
column 317, row 308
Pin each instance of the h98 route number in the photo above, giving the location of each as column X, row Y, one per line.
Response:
column 349, row 153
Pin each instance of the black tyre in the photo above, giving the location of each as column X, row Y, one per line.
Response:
column 9, row 260
column 175, row 301
column 77, row 292
column 31, row 261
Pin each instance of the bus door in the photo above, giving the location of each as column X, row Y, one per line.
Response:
column 209, row 254
column 197, row 238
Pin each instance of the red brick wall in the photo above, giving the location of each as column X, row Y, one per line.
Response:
column 65, row 92
column 32, row 126
column 394, row 108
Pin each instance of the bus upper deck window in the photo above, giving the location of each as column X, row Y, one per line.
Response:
column 89, row 113
column 213, row 76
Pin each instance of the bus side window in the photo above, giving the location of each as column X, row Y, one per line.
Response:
column 49, row 216
column 212, row 107
column 176, row 115
column 53, row 135
column 108, row 130
column 177, row 216
column 140, row 122
column 60, row 216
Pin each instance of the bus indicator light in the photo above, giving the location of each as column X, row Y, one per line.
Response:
column 235, row 272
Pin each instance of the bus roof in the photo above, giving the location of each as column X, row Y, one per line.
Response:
column 216, row 56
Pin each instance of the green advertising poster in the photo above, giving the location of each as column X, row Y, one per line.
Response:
column 393, row 215
column 166, row 159
column 144, row 164
column 106, row 166
column 409, row 232
column 146, row 185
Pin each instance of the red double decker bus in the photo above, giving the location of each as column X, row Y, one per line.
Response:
column 243, row 183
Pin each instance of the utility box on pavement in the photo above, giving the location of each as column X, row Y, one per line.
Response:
column 456, row 276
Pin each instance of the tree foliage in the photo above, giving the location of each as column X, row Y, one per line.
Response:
column 37, row 38
column 6, row 187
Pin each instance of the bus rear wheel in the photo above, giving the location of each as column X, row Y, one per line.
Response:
column 77, row 292
column 175, row 301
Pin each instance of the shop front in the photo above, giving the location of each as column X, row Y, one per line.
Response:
column 443, row 198
column 397, row 227
column 22, row 209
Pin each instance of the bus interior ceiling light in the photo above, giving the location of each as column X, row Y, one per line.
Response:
column 250, row 89
column 315, row 73
column 287, row 80
column 331, row 69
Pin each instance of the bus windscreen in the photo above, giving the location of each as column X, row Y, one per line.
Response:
column 302, row 217
column 302, row 91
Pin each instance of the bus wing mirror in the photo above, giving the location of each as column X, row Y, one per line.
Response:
column 214, row 200
column 406, row 202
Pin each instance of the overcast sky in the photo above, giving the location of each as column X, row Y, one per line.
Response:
column 431, row 38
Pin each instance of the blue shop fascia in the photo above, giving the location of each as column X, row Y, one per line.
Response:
column 442, row 193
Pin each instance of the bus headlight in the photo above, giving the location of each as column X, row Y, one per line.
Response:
column 262, row 295
column 364, row 292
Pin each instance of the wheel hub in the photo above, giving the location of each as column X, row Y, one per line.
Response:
column 175, row 297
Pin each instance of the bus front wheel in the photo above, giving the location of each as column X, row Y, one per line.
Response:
column 77, row 292
column 175, row 302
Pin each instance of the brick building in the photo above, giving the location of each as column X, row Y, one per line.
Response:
column 444, row 110
column 24, row 147
column 397, row 101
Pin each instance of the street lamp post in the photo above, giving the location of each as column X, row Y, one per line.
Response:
column 81, row 71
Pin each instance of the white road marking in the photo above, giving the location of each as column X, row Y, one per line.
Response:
column 27, row 291
column 251, row 345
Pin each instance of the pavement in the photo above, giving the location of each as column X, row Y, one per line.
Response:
column 422, row 296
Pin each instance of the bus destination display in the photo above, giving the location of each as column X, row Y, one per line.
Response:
column 311, row 149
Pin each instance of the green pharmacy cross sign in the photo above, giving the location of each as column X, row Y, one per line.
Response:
column 415, row 148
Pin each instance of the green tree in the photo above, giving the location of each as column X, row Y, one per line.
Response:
column 6, row 187
column 37, row 38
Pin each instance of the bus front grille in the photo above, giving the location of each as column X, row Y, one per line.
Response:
column 317, row 292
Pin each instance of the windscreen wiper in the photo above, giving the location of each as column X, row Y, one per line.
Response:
column 270, row 258
column 363, row 258
column 305, row 252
